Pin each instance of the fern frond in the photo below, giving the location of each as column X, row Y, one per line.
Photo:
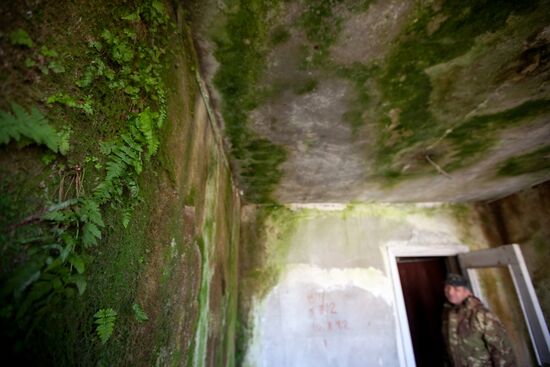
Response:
column 133, row 150
column 105, row 320
column 33, row 125
column 9, row 128
column 133, row 187
column 133, row 154
column 162, row 110
column 140, row 315
column 90, row 234
column 130, row 157
column 64, row 141
column 133, row 139
column 126, row 216
column 146, row 125
column 123, row 156
column 103, row 191
column 89, row 212
column 115, row 168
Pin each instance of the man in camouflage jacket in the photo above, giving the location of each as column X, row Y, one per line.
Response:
column 474, row 336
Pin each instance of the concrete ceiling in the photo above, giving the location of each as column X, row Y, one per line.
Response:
column 386, row 100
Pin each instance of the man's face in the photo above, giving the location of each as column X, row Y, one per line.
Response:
column 456, row 295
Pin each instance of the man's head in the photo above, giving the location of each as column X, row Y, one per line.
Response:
column 456, row 289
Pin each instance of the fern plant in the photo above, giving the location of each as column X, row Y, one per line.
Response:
column 105, row 320
column 33, row 125
column 69, row 101
column 124, row 158
column 90, row 216
column 146, row 125
column 140, row 315
column 127, row 65
column 21, row 38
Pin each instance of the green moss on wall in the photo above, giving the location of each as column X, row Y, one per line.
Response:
column 242, row 44
column 306, row 87
column 358, row 74
column 279, row 35
column 321, row 27
column 407, row 88
column 241, row 51
column 535, row 161
column 474, row 136
column 321, row 21
column 265, row 239
column 394, row 95
column 146, row 253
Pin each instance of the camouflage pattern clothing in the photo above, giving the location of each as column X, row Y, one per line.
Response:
column 475, row 337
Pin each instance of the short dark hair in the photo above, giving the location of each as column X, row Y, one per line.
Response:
column 456, row 280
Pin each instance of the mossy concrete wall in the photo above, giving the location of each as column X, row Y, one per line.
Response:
column 201, row 332
column 336, row 101
column 524, row 218
column 196, row 295
column 176, row 255
column 316, row 288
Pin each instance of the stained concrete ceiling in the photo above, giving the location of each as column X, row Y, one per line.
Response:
column 387, row 100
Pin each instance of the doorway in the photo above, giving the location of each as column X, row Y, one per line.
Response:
column 458, row 259
column 422, row 280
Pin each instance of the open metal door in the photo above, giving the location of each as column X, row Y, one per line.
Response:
column 510, row 256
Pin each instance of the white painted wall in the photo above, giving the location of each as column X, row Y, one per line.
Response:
column 326, row 317
column 334, row 303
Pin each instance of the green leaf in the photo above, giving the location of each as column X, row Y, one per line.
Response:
column 95, row 44
column 115, row 169
column 69, row 101
column 126, row 216
column 47, row 52
column 106, row 147
column 56, row 67
column 133, row 17
column 122, row 52
column 78, row 263
column 131, row 90
column 29, row 62
column 48, row 158
column 130, row 33
column 87, row 107
column 87, row 78
column 105, row 320
column 107, row 36
column 21, row 38
column 62, row 98
column 55, row 216
column 64, row 141
column 146, row 124
column 158, row 6
column 140, row 315
column 80, row 283
column 44, row 69
column 53, row 263
column 133, row 187
column 90, row 234
column 57, row 284
column 32, row 125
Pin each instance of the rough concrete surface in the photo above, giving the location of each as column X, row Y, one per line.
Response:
column 333, row 62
